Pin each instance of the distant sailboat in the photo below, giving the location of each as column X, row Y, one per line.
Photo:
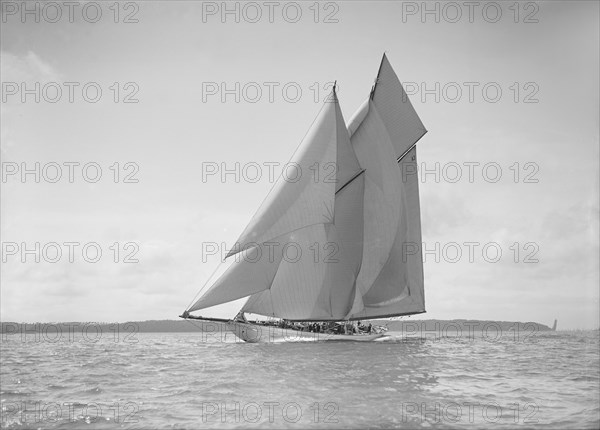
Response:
column 366, row 216
column 554, row 326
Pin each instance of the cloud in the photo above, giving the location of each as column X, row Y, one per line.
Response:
column 26, row 68
column 451, row 206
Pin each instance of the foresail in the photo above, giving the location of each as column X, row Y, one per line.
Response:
column 299, row 198
column 252, row 271
column 311, row 270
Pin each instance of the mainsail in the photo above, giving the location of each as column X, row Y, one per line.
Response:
column 342, row 248
column 385, row 131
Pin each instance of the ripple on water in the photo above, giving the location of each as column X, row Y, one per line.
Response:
column 172, row 381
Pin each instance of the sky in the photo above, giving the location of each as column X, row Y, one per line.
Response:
column 134, row 103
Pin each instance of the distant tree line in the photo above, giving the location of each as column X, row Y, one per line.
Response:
column 406, row 326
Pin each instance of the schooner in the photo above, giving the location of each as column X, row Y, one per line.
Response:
column 364, row 217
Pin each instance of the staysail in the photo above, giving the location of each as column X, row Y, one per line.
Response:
column 344, row 245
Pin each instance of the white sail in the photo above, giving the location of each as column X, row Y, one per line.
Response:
column 391, row 278
column 316, row 284
column 321, row 285
column 397, row 112
column 399, row 288
column 299, row 198
column 308, row 288
column 344, row 244
column 253, row 271
column 382, row 199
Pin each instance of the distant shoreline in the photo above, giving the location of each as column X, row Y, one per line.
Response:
column 174, row 326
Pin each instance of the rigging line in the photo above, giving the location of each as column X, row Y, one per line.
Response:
column 296, row 150
column 205, row 284
column 330, row 214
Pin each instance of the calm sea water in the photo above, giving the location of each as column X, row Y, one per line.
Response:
column 179, row 380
